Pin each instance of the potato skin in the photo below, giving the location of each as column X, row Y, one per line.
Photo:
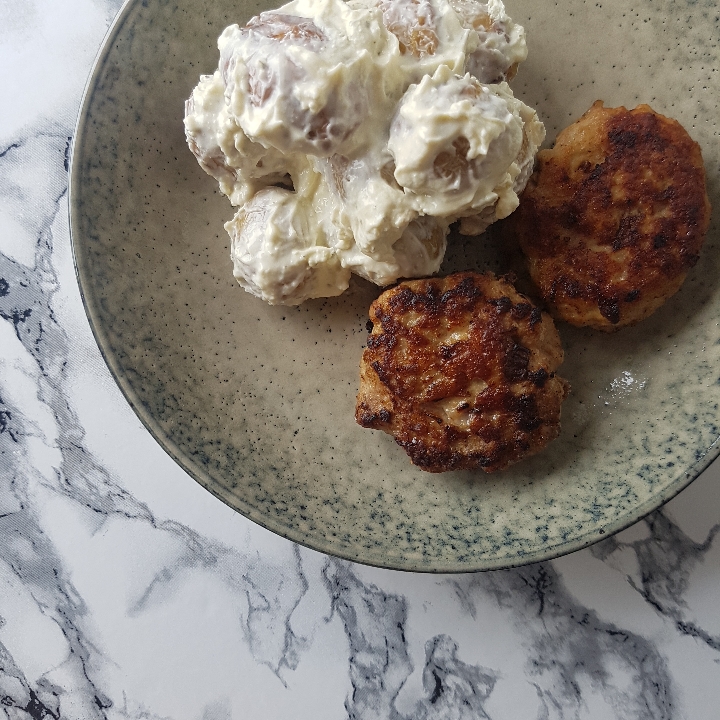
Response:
column 614, row 216
column 461, row 372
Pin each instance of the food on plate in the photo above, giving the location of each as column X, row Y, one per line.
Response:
column 614, row 216
column 351, row 135
column 461, row 371
column 273, row 254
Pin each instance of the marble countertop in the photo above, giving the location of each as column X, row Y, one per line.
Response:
column 128, row 591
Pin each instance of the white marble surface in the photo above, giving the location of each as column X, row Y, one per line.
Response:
column 127, row 591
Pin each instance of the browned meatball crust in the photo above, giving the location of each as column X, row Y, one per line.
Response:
column 461, row 372
column 614, row 216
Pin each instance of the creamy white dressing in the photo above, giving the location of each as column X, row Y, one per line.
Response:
column 351, row 135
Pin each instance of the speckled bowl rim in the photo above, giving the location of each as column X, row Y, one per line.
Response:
column 482, row 564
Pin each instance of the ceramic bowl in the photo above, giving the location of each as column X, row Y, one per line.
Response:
column 257, row 402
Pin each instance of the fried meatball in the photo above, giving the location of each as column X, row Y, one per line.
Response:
column 461, row 372
column 614, row 216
